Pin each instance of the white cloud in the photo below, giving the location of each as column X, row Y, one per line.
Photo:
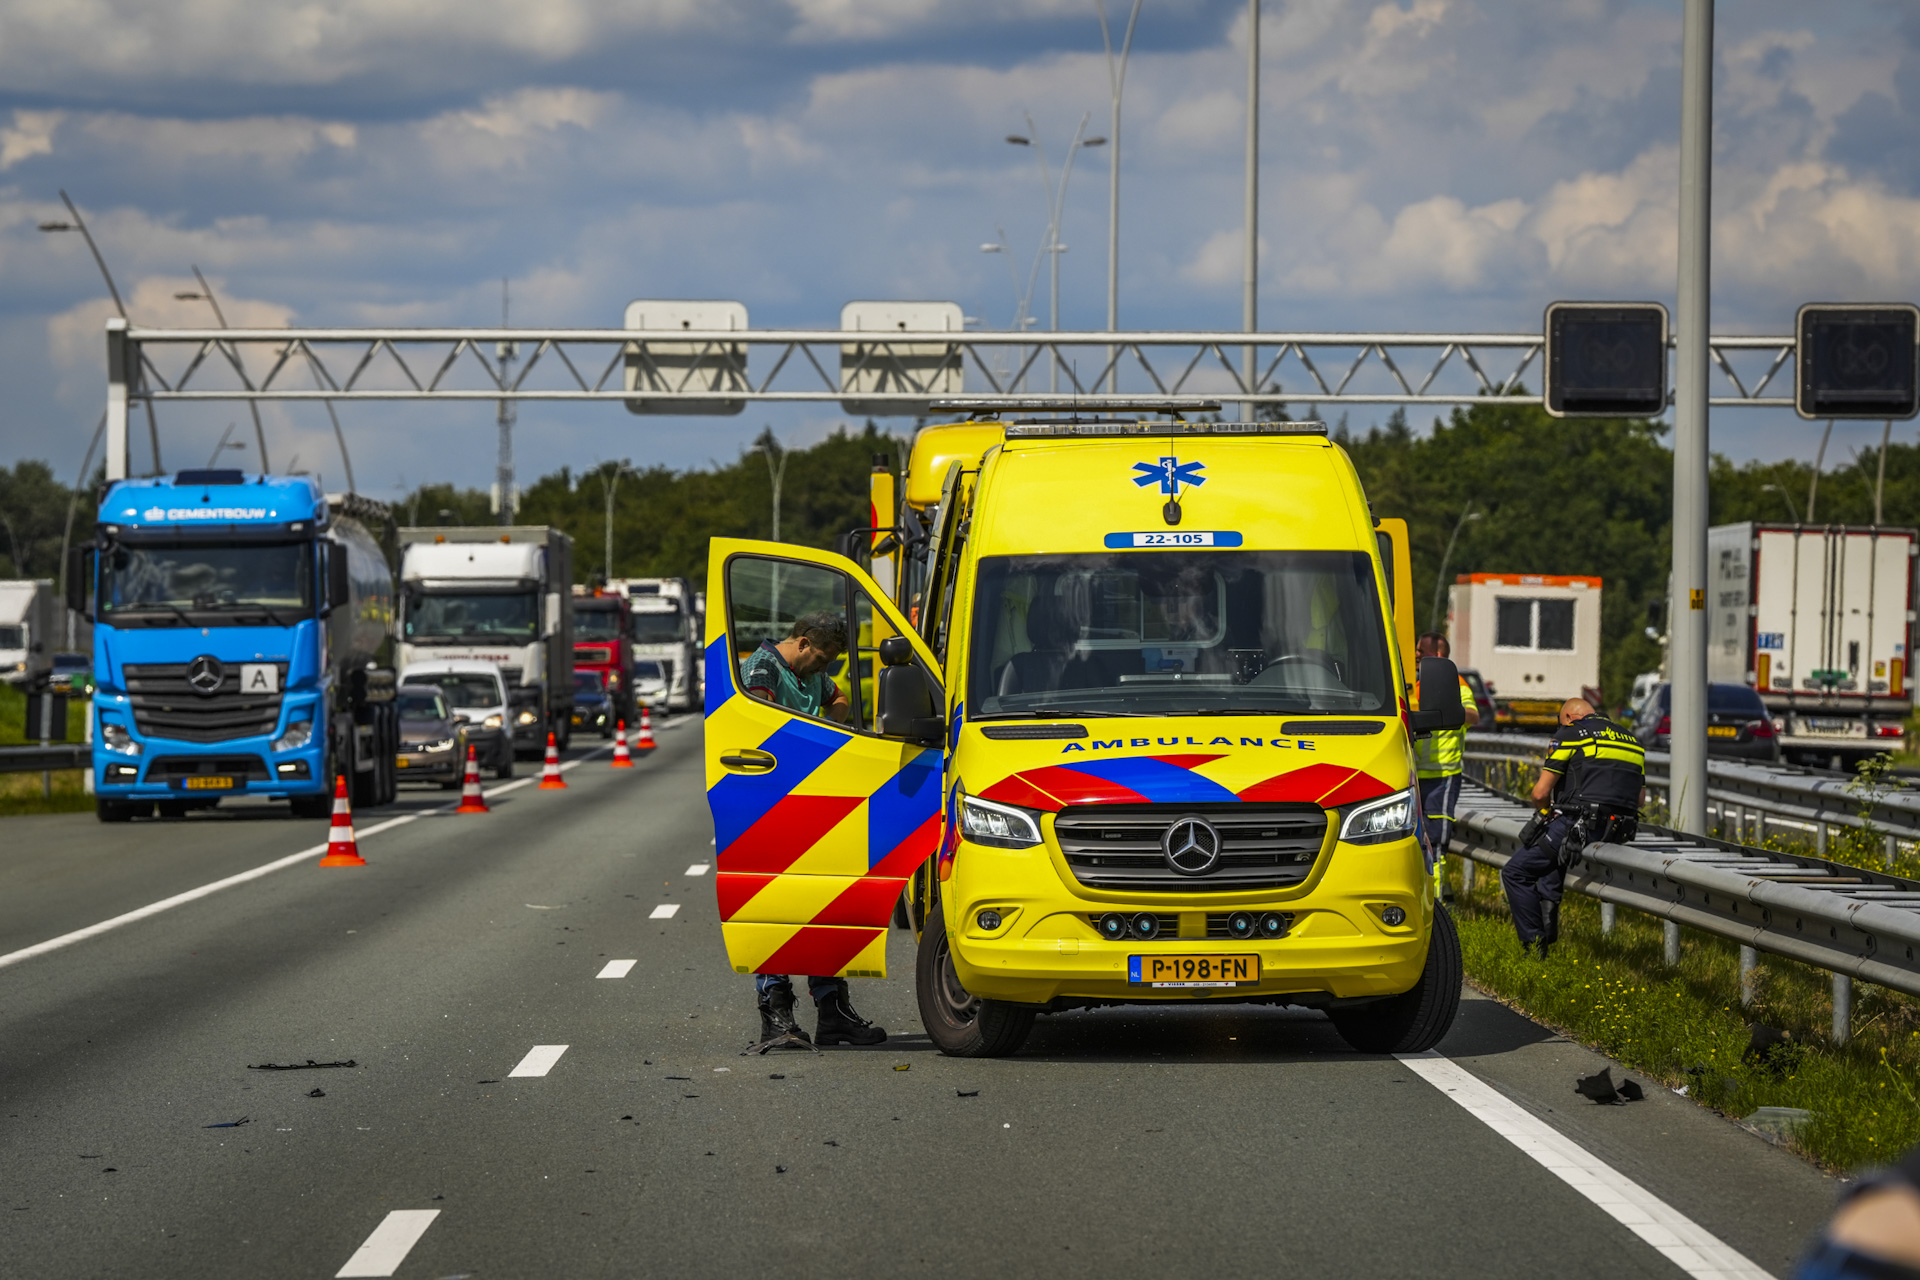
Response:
column 30, row 135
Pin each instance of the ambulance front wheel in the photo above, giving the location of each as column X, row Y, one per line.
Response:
column 1413, row 1021
column 959, row 1024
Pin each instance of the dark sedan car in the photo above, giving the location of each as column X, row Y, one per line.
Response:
column 1482, row 699
column 432, row 747
column 592, row 706
column 1739, row 726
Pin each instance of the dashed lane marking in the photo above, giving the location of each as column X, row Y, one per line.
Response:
column 391, row 1241
column 699, row 868
column 265, row 869
column 664, row 911
column 539, row 1060
column 617, row 969
column 1684, row 1242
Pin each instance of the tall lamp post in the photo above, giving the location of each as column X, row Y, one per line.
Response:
column 206, row 295
column 1116, row 85
column 80, row 224
column 1250, row 281
column 609, row 481
column 1055, row 196
column 1440, row 583
column 1021, row 298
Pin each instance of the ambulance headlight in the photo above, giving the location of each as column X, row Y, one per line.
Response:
column 1001, row 826
column 298, row 735
column 1379, row 821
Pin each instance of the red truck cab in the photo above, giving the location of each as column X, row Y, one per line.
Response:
column 603, row 642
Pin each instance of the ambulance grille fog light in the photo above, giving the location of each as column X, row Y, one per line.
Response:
column 1273, row 925
column 988, row 920
column 1393, row 916
column 1146, row 925
column 1113, row 926
column 1241, row 924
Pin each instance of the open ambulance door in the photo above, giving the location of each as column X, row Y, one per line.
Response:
column 817, row 822
column 1396, row 560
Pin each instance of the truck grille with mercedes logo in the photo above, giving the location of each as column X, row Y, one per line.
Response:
column 199, row 701
column 1262, row 846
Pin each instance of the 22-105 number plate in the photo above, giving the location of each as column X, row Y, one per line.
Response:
column 1193, row 971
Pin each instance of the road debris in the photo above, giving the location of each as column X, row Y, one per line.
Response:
column 904, row 1066
column 308, row 1065
column 316, row 1093
column 966, row 1093
column 229, row 1124
column 1600, row 1088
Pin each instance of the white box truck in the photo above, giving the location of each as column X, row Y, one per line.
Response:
column 666, row 630
column 499, row 594
column 1820, row 620
column 28, row 631
column 1534, row 638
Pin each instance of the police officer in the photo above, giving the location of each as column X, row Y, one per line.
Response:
column 1593, row 773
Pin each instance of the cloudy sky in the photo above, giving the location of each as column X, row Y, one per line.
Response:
column 1427, row 165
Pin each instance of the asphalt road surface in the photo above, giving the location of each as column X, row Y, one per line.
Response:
column 515, row 1111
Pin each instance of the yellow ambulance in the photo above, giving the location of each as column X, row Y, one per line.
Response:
column 1137, row 729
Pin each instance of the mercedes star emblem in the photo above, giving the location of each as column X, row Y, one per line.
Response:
column 1191, row 846
column 205, row 674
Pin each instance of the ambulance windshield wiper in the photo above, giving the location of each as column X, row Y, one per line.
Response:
column 1059, row 713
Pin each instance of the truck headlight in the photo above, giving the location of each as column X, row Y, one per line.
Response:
column 1001, row 826
column 298, row 735
column 491, row 722
column 526, row 717
column 117, row 738
column 1379, row 821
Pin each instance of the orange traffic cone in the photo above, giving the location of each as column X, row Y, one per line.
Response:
column 550, row 779
column 622, row 758
column 341, row 849
column 645, row 741
column 472, row 799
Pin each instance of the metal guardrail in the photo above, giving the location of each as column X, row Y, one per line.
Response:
column 39, row 759
column 1852, row 922
column 1740, row 794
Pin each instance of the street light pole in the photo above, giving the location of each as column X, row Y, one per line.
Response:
column 259, row 432
column 1687, row 655
column 769, row 446
column 80, row 224
column 1055, row 196
column 1250, row 301
column 609, row 481
column 1785, row 497
column 1440, row 583
column 1116, row 84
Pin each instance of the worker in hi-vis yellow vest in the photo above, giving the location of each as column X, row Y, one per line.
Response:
column 1440, row 757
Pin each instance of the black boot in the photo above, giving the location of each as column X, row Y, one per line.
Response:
column 777, row 1022
column 1549, row 921
column 839, row 1024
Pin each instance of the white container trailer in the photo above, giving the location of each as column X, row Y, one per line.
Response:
column 28, row 636
column 1820, row 620
column 1533, row 637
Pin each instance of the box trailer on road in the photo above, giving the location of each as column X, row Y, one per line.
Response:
column 1534, row 638
column 1820, row 620
column 27, row 631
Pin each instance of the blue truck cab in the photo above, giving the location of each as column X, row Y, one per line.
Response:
column 242, row 644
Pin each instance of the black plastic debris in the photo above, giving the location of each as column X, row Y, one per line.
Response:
column 1768, row 1047
column 626, row 1117
column 1600, row 1088
column 308, row 1065
column 779, row 1168
column 494, row 1081
column 829, row 1143
column 966, row 1093
column 776, row 1076
column 316, row 1093
column 229, row 1124
column 679, row 1077
column 109, row 1169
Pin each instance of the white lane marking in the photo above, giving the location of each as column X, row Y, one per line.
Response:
column 617, row 969
column 180, row 899
column 391, row 1241
column 664, row 911
column 532, row 778
column 278, row 864
column 674, row 722
column 1684, row 1242
column 539, row 1060
column 699, row 868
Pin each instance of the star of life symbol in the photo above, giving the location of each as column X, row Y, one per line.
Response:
column 1169, row 474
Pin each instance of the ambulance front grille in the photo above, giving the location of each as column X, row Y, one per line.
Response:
column 1263, row 846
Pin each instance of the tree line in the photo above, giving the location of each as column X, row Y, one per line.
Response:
column 1587, row 496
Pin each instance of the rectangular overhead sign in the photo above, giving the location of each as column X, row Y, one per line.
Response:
column 1857, row 361
column 705, row 367
column 922, row 370
column 1606, row 359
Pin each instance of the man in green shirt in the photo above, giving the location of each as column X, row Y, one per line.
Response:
column 1441, row 757
column 794, row 674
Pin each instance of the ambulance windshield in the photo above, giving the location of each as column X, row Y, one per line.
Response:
column 1178, row 632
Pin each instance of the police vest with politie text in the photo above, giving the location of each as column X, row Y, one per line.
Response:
column 1601, row 769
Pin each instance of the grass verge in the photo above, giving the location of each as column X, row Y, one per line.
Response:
column 1684, row 1027
column 23, row 792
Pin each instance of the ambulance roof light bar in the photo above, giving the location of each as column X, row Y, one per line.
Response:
column 988, row 407
column 1043, row 429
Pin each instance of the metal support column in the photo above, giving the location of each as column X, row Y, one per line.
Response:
column 118, row 372
column 1688, row 612
column 1670, row 942
column 1609, row 916
column 1749, row 975
column 1842, row 1008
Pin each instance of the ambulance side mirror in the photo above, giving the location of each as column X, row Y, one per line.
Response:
column 908, row 707
column 1439, row 698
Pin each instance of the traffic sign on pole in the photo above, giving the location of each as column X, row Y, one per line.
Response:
column 1857, row 361
column 1606, row 359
